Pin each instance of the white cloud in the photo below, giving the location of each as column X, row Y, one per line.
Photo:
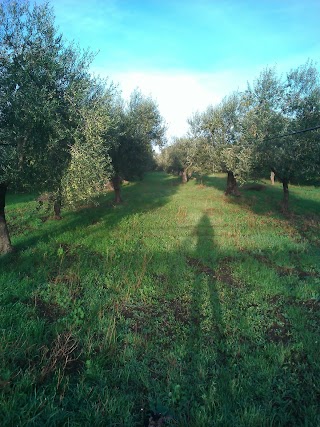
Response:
column 179, row 94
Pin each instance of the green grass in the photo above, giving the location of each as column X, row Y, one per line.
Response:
column 180, row 301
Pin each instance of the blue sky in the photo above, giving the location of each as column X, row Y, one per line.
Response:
column 189, row 54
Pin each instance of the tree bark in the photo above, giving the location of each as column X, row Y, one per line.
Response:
column 116, row 182
column 285, row 201
column 57, row 207
column 272, row 177
column 5, row 243
column 232, row 185
column 184, row 176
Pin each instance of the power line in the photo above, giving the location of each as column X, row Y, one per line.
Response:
column 293, row 133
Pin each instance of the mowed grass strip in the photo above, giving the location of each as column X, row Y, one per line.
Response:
column 180, row 302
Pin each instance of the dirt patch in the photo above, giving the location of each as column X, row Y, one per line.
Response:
column 310, row 221
column 312, row 305
column 279, row 333
column 197, row 265
column 69, row 278
column 223, row 272
column 308, row 226
column 224, row 275
column 130, row 311
column 296, row 358
column 285, row 271
column 162, row 278
column 165, row 313
column 213, row 211
column 180, row 309
column 304, row 274
column 67, row 248
column 49, row 311
column 291, row 271
column 262, row 258
column 210, row 211
column 157, row 420
column 275, row 299
column 280, row 329
column 138, row 316
column 203, row 233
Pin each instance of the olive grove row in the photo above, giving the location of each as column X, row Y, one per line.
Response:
column 66, row 132
column 62, row 130
column 272, row 126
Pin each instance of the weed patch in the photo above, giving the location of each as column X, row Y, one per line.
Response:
column 62, row 357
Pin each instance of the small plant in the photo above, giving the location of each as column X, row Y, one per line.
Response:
column 60, row 252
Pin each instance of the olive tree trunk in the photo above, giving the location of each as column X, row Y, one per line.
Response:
column 232, row 185
column 285, row 200
column 116, row 183
column 184, row 176
column 5, row 243
column 57, row 206
column 57, row 209
column 272, row 177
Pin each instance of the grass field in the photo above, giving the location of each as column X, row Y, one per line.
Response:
column 180, row 301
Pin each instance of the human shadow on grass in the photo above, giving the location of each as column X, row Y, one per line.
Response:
column 206, row 348
column 147, row 329
column 211, row 357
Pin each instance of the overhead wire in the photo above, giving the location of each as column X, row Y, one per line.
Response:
column 293, row 133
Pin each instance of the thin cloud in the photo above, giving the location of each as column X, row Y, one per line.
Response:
column 179, row 94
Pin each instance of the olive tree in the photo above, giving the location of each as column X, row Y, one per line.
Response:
column 186, row 156
column 46, row 99
column 223, row 126
column 90, row 165
column 138, row 127
column 283, row 112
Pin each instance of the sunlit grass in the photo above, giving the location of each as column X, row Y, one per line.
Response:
column 180, row 301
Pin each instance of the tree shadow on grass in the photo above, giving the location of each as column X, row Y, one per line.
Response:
column 19, row 198
column 304, row 208
column 218, row 182
column 267, row 199
column 138, row 198
column 79, row 243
